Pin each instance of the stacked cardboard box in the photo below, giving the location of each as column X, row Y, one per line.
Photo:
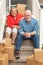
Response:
column 10, row 51
column 21, row 8
column 7, row 42
column 2, row 47
column 38, row 54
column 4, row 59
column 31, row 61
column 7, row 48
column 36, row 58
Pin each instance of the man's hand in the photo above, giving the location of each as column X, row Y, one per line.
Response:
column 28, row 35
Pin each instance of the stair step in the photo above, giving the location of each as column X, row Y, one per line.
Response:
column 27, row 43
column 41, row 6
column 23, row 57
column 17, row 63
column 26, row 52
column 26, row 48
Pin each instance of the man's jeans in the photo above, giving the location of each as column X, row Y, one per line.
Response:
column 20, row 38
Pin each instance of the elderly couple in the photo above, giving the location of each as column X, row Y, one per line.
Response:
column 22, row 27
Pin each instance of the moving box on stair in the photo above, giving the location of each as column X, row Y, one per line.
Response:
column 7, row 42
column 10, row 51
column 4, row 59
column 21, row 8
column 38, row 54
column 31, row 61
column 2, row 47
column 36, row 58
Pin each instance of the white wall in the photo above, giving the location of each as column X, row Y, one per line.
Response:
column 41, row 28
column 2, row 18
column 36, row 9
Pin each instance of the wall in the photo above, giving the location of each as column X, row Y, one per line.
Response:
column 41, row 28
column 36, row 9
column 2, row 18
column 29, row 4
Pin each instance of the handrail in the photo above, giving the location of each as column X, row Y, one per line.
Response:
column 38, row 4
column 3, row 15
column 0, row 2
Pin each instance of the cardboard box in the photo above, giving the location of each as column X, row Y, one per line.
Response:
column 0, row 54
column 7, row 42
column 10, row 51
column 31, row 61
column 21, row 8
column 2, row 47
column 38, row 55
column 36, row 59
column 39, row 62
column 4, row 59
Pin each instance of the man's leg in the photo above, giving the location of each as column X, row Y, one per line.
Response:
column 17, row 48
column 18, row 45
column 36, row 41
column 19, row 42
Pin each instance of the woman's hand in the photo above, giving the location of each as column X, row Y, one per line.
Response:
column 15, row 26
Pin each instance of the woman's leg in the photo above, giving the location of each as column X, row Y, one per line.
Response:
column 8, row 32
column 14, row 35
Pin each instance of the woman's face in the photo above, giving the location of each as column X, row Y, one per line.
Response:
column 13, row 12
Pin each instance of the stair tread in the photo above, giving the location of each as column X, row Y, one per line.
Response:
column 23, row 57
column 17, row 63
column 26, row 52
column 26, row 48
column 27, row 43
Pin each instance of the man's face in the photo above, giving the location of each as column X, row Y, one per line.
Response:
column 27, row 16
column 13, row 12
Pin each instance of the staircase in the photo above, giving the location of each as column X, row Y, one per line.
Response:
column 25, row 51
column 27, row 46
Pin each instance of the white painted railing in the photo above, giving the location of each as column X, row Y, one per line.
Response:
column 0, row 3
column 36, row 9
column 38, row 13
column 3, row 13
column 41, row 27
column 2, row 17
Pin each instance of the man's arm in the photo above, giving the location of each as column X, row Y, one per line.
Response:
column 33, row 33
column 21, row 31
column 36, row 28
column 21, row 28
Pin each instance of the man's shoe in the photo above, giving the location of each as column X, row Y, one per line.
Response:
column 17, row 54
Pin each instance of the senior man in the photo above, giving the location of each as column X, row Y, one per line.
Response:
column 28, row 30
